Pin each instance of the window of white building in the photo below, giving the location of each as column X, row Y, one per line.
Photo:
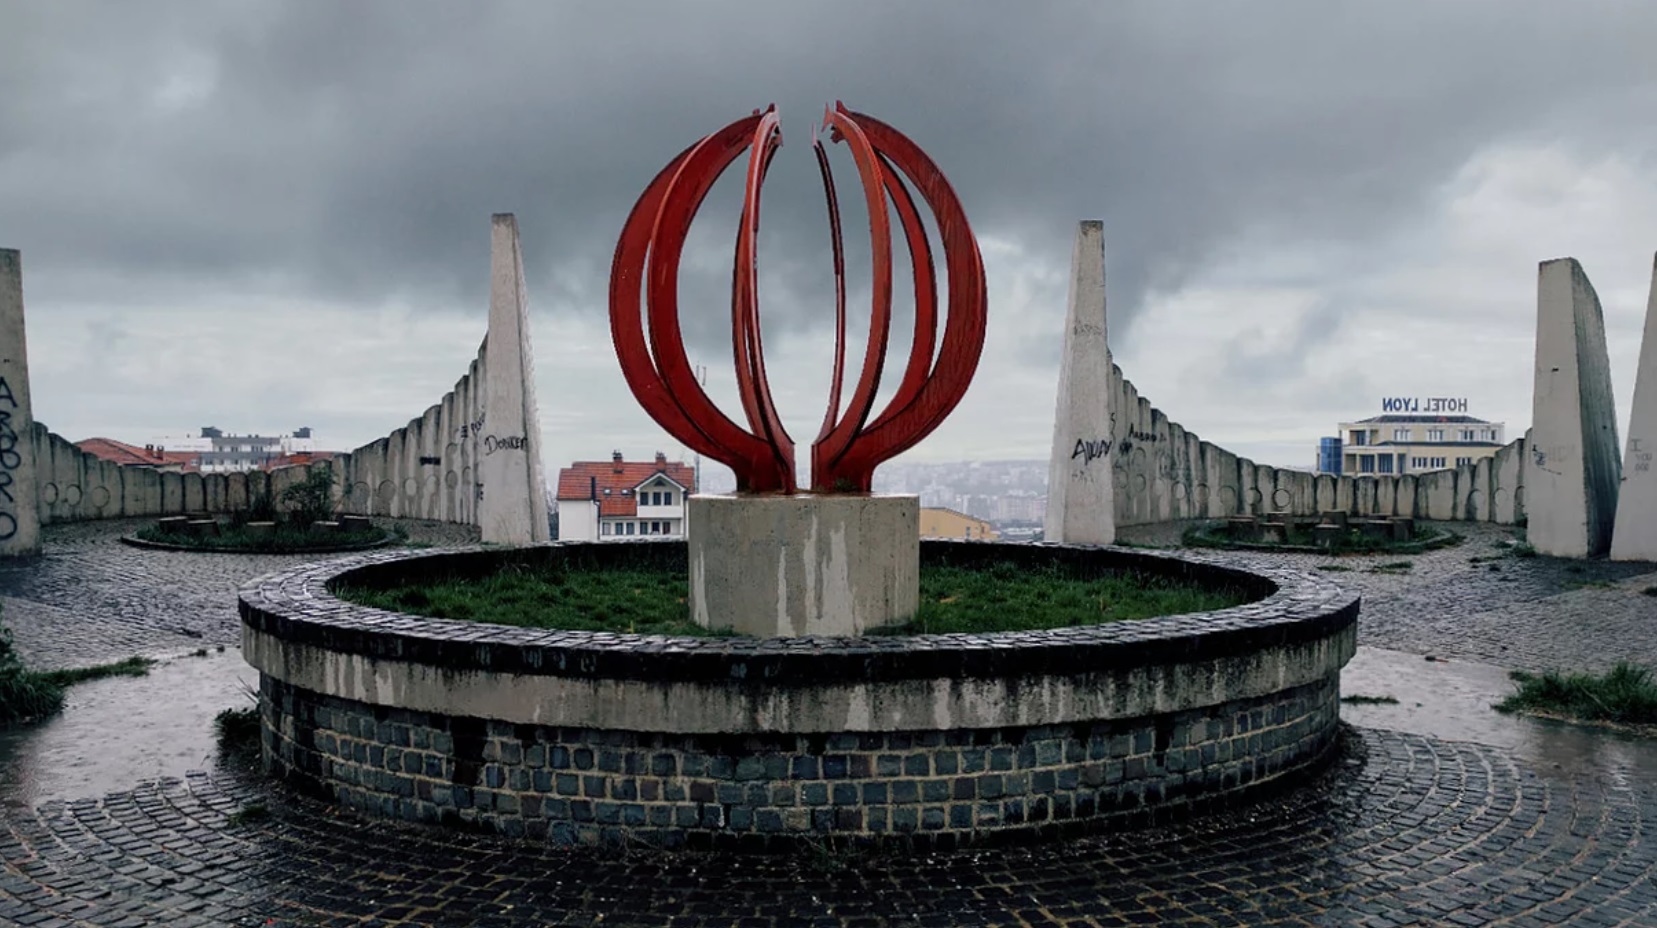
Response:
column 1435, row 434
column 1400, row 434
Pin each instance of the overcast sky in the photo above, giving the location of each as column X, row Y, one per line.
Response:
column 262, row 215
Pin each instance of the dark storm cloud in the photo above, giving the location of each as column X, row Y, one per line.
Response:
column 353, row 151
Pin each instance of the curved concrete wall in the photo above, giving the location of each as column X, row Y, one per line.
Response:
column 1163, row 472
column 74, row 486
column 428, row 469
column 424, row 470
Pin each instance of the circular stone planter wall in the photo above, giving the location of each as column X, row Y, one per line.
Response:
column 936, row 741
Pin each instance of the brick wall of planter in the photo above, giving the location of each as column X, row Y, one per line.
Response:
column 931, row 789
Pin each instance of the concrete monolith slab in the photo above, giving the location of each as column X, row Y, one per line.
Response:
column 19, row 504
column 513, row 508
column 1635, row 535
column 1574, row 468
column 1081, row 495
column 785, row 566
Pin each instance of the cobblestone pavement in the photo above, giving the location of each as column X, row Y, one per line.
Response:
column 90, row 599
column 1475, row 601
column 1405, row 830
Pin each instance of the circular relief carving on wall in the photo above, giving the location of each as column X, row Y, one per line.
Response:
column 1139, row 459
column 100, row 497
column 1228, row 499
column 359, row 491
column 452, row 479
column 50, row 493
column 1121, row 479
column 72, row 494
column 387, row 491
column 1518, row 501
column 429, row 486
column 1202, row 494
column 1255, row 496
column 451, row 451
column 410, row 486
column 1281, row 499
column 466, row 474
column 1139, row 483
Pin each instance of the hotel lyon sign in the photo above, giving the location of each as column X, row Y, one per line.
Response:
column 1426, row 404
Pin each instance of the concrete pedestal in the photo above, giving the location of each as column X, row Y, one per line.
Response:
column 785, row 566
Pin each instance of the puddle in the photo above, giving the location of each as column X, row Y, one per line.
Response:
column 1452, row 700
column 115, row 732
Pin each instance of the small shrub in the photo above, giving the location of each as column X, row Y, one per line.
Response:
column 238, row 735
column 311, row 499
column 1523, row 549
column 1360, row 700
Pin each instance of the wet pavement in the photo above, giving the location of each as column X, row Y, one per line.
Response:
column 1439, row 811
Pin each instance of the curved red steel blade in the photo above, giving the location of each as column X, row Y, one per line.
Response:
column 830, row 448
column 748, row 346
column 963, row 340
column 626, row 322
column 657, row 369
column 926, row 297
column 833, row 413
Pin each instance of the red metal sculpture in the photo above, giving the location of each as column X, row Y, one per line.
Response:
column 850, row 445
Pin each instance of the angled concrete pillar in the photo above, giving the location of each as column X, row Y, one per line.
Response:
column 1574, row 467
column 19, row 504
column 1635, row 537
column 513, row 507
column 1081, row 497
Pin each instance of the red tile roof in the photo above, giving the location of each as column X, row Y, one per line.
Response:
column 298, row 457
column 589, row 480
column 120, row 452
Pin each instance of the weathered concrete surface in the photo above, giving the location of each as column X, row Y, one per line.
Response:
column 513, row 509
column 923, row 704
column 1574, row 467
column 780, row 566
column 1635, row 535
column 19, row 504
column 1164, row 473
column 1081, row 490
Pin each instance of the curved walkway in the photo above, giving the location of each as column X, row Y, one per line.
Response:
column 1405, row 829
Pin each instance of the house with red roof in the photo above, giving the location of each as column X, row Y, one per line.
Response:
column 618, row 499
column 119, row 452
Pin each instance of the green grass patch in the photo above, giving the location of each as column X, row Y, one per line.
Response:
column 1393, row 567
column 249, row 814
column 1335, row 568
column 285, row 537
column 1591, row 585
column 130, row 667
column 1360, row 700
column 1002, row 597
column 1626, row 694
column 32, row 695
